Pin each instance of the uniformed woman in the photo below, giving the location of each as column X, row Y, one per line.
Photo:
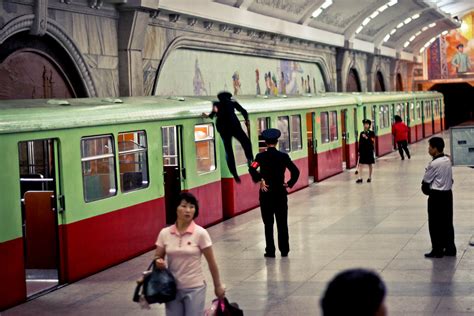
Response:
column 366, row 150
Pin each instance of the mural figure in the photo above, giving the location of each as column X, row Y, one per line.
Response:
column 257, row 81
column 236, row 82
column 198, row 80
column 228, row 126
column 268, row 80
column 282, row 83
column 461, row 60
column 274, row 85
column 291, row 69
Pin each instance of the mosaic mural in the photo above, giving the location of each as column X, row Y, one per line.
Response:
column 201, row 73
column 452, row 55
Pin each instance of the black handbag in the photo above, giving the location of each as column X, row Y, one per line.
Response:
column 156, row 286
column 224, row 308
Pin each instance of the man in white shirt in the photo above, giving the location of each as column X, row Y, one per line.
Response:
column 437, row 184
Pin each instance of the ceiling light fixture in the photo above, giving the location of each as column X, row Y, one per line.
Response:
column 319, row 10
column 375, row 14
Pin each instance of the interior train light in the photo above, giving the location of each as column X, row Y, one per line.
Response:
column 386, row 38
column 432, row 25
column 392, row 3
column 407, row 43
column 416, row 16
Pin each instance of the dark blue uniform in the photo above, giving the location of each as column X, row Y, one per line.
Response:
column 274, row 202
column 228, row 126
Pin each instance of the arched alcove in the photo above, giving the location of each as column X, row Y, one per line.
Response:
column 37, row 67
column 379, row 82
column 353, row 81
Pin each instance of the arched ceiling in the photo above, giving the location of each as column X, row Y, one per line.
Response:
column 395, row 28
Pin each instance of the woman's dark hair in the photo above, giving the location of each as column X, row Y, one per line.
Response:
column 353, row 292
column 191, row 199
column 366, row 121
column 437, row 142
column 398, row 119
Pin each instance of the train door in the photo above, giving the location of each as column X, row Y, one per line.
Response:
column 374, row 125
column 345, row 135
column 173, row 168
column 392, row 121
column 311, row 141
column 356, row 134
column 41, row 201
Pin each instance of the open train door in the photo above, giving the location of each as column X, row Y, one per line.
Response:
column 311, row 141
column 41, row 201
column 173, row 168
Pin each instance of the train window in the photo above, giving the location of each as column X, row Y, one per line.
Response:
column 284, row 140
column 412, row 108
column 384, row 116
column 418, row 110
column 133, row 162
column 263, row 123
column 240, row 158
column 205, row 148
column 296, row 143
column 170, row 150
column 427, row 109
column 98, row 167
column 324, row 127
column 333, row 135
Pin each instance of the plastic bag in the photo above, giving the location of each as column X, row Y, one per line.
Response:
column 159, row 286
column 212, row 310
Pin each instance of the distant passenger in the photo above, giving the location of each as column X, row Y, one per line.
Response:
column 183, row 244
column 437, row 184
column 228, row 125
column 355, row 292
column 400, row 133
column 366, row 150
column 273, row 191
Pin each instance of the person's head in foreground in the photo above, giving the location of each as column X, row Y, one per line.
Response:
column 436, row 146
column 355, row 292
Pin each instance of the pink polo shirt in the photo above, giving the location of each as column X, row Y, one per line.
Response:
column 184, row 252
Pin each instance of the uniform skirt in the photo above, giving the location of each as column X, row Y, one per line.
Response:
column 366, row 157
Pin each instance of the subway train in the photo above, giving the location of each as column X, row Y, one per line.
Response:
column 88, row 183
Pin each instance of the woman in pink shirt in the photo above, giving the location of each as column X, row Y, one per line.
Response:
column 183, row 244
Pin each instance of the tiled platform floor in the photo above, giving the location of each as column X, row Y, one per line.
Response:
column 335, row 224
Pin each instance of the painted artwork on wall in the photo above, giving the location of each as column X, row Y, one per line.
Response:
column 452, row 55
column 201, row 73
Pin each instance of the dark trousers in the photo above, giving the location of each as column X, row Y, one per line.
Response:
column 239, row 134
column 440, row 220
column 274, row 205
column 403, row 146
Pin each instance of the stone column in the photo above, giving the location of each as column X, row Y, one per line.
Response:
column 131, row 41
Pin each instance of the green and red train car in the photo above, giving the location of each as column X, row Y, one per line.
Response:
column 88, row 183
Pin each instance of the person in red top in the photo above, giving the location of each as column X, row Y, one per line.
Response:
column 400, row 132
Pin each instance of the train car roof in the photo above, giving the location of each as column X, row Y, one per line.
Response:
column 44, row 114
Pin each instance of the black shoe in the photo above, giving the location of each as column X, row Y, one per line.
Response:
column 433, row 254
column 237, row 179
column 284, row 254
column 369, row 180
column 403, row 158
column 357, row 172
column 269, row 255
column 409, row 157
column 359, row 181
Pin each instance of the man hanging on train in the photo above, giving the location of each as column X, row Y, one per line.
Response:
column 273, row 191
column 228, row 125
